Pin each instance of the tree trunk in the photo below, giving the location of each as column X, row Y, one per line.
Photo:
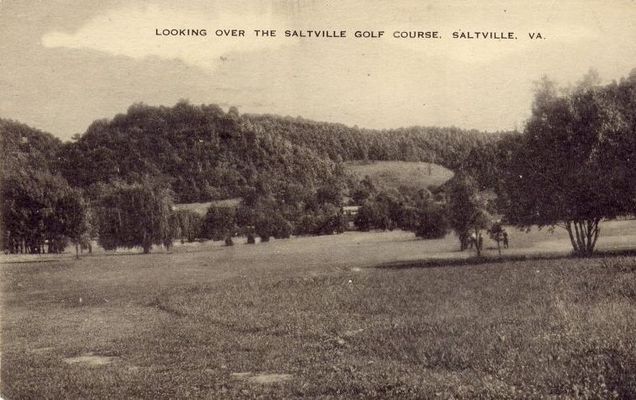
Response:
column 77, row 250
column 478, row 243
column 568, row 227
column 584, row 236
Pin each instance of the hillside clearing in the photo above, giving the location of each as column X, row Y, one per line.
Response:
column 394, row 174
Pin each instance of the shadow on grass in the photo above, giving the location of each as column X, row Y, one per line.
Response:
column 467, row 261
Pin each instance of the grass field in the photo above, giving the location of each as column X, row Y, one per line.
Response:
column 324, row 317
column 394, row 174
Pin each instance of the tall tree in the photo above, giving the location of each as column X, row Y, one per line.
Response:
column 219, row 223
column 132, row 215
column 562, row 173
column 467, row 210
column 71, row 212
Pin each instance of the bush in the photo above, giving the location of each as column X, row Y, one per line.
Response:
column 186, row 225
column 427, row 221
column 326, row 221
column 432, row 224
column 373, row 215
column 131, row 215
column 272, row 225
column 219, row 223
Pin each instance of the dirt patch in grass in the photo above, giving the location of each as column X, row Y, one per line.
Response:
column 91, row 360
column 269, row 378
column 263, row 379
column 240, row 375
column 41, row 350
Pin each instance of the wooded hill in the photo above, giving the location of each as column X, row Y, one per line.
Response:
column 207, row 154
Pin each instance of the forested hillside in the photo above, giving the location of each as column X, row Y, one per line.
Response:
column 288, row 169
column 453, row 148
column 207, row 154
column 203, row 152
column 25, row 149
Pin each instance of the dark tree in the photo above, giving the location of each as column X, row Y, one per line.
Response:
column 187, row 225
column 272, row 224
column 427, row 220
column 467, row 210
column 219, row 223
column 72, row 215
column 132, row 215
column 565, row 172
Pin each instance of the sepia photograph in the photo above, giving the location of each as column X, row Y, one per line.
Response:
column 302, row 199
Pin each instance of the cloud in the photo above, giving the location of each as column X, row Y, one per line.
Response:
column 132, row 32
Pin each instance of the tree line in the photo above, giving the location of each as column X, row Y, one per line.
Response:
column 573, row 166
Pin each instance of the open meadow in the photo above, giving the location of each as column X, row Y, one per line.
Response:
column 356, row 315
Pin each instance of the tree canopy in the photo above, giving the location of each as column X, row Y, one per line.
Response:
column 467, row 210
column 134, row 215
column 567, row 169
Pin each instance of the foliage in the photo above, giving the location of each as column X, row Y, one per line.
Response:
column 26, row 150
column 187, row 224
column 382, row 211
column 219, row 223
column 567, row 170
column 132, row 215
column 205, row 153
column 372, row 215
column 202, row 152
column 272, row 224
column 428, row 220
column 38, row 205
column 467, row 209
column 326, row 221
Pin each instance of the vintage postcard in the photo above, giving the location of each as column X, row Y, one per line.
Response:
column 317, row 199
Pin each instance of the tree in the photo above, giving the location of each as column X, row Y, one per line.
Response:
column 219, row 223
column 496, row 233
column 565, row 171
column 133, row 215
column 467, row 210
column 38, row 207
column 31, row 190
column 187, row 224
column 621, row 152
column 427, row 220
column 71, row 212
column 372, row 215
column 363, row 190
column 272, row 224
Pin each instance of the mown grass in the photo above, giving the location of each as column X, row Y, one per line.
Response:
column 395, row 174
column 181, row 325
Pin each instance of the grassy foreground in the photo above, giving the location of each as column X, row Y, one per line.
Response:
column 268, row 322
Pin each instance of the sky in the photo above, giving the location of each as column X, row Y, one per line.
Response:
column 66, row 63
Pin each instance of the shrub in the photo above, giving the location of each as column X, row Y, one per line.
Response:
column 272, row 225
column 219, row 223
